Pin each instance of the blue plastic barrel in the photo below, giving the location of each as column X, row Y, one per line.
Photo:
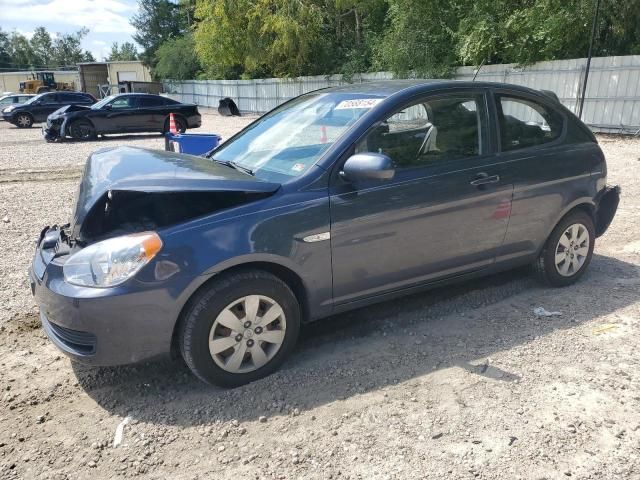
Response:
column 191, row 143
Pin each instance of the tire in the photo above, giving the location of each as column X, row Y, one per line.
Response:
column 24, row 120
column 228, row 301
column 558, row 272
column 181, row 125
column 82, row 130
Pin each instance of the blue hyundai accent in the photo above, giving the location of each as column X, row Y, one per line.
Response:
column 337, row 199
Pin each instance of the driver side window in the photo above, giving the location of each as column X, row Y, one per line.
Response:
column 122, row 102
column 432, row 130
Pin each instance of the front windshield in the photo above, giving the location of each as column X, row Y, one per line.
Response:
column 103, row 102
column 288, row 141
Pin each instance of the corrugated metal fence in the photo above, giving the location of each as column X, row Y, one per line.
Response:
column 612, row 102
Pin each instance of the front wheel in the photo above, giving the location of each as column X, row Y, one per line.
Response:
column 82, row 130
column 24, row 120
column 239, row 328
column 568, row 251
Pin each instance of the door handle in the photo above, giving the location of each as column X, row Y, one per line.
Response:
column 484, row 179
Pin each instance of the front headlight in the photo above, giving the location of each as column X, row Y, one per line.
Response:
column 8, row 109
column 111, row 262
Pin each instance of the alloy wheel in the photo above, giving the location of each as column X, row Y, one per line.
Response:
column 247, row 334
column 81, row 130
column 572, row 250
column 24, row 121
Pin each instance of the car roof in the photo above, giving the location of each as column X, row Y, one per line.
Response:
column 387, row 88
column 137, row 95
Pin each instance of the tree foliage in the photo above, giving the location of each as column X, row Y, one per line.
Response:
column 43, row 50
column 156, row 22
column 258, row 38
column 176, row 59
column 126, row 51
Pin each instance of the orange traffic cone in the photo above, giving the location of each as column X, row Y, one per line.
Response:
column 172, row 124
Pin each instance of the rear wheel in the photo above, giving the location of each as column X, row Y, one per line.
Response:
column 24, row 120
column 239, row 328
column 181, row 125
column 82, row 130
column 568, row 251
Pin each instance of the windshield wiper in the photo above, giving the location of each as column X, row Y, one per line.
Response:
column 235, row 166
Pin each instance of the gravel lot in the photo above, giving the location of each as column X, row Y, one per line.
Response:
column 458, row 383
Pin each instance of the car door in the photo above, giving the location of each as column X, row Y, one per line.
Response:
column 151, row 112
column 119, row 116
column 45, row 105
column 551, row 167
column 444, row 213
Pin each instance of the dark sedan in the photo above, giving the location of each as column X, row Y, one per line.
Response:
column 337, row 199
column 124, row 113
column 38, row 108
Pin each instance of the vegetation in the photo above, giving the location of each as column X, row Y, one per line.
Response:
column 125, row 52
column 176, row 59
column 43, row 50
column 260, row 38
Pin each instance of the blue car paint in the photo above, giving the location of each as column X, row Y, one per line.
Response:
column 386, row 240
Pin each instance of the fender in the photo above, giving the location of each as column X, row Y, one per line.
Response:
column 581, row 201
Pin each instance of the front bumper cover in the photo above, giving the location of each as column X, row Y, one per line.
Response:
column 99, row 326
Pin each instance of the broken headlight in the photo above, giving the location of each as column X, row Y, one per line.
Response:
column 112, row 262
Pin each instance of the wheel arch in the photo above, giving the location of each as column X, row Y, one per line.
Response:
column 586, row 205
column 68, row 121
column 284, row 273
column 27, row 113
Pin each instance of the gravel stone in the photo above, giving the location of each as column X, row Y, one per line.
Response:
column 479, row 379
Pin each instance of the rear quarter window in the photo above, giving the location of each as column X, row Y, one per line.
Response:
column 525, row 123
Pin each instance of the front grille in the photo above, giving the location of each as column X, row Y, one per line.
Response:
column 82, row 343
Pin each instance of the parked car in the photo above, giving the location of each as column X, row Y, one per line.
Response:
column 124, row 113
column 38, row 107
column 337, row 199
column 13, row 99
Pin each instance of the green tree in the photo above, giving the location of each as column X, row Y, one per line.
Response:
column 41, row 46
column 286, row 37
column 22, row 57
column 67, row 49
column 5, row 52
column 420, row 38
column 125, row 52
column 176, row 59
column 156, row 22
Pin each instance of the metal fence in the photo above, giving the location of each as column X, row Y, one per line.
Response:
column 612, row 101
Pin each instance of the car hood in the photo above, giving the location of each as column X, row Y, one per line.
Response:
column 112, row 171
column 69, row 109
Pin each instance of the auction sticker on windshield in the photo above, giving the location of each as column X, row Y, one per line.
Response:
column 358, row 103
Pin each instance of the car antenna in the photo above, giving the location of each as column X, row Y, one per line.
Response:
column 478, row 70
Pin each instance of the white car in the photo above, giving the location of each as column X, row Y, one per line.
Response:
column 9, row 99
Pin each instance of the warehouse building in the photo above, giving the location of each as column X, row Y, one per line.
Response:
column 90, row 76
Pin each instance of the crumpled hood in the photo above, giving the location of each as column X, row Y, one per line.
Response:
column 69, row 109
column 144, row 170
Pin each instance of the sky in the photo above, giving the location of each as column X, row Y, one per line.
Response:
column 107, row 20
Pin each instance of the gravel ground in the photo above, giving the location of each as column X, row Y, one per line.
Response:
column 458, row 383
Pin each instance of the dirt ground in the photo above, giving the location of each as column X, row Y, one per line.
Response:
column 457, row 383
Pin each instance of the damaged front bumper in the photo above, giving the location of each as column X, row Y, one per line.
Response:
column 98, row 326
column 51, row 131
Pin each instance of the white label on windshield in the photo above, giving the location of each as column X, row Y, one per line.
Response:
column 358, row 103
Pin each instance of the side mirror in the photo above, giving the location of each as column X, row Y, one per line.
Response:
column 368, row 167
column 107, row 107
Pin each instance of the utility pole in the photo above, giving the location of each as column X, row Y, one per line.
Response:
column 586, row 73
